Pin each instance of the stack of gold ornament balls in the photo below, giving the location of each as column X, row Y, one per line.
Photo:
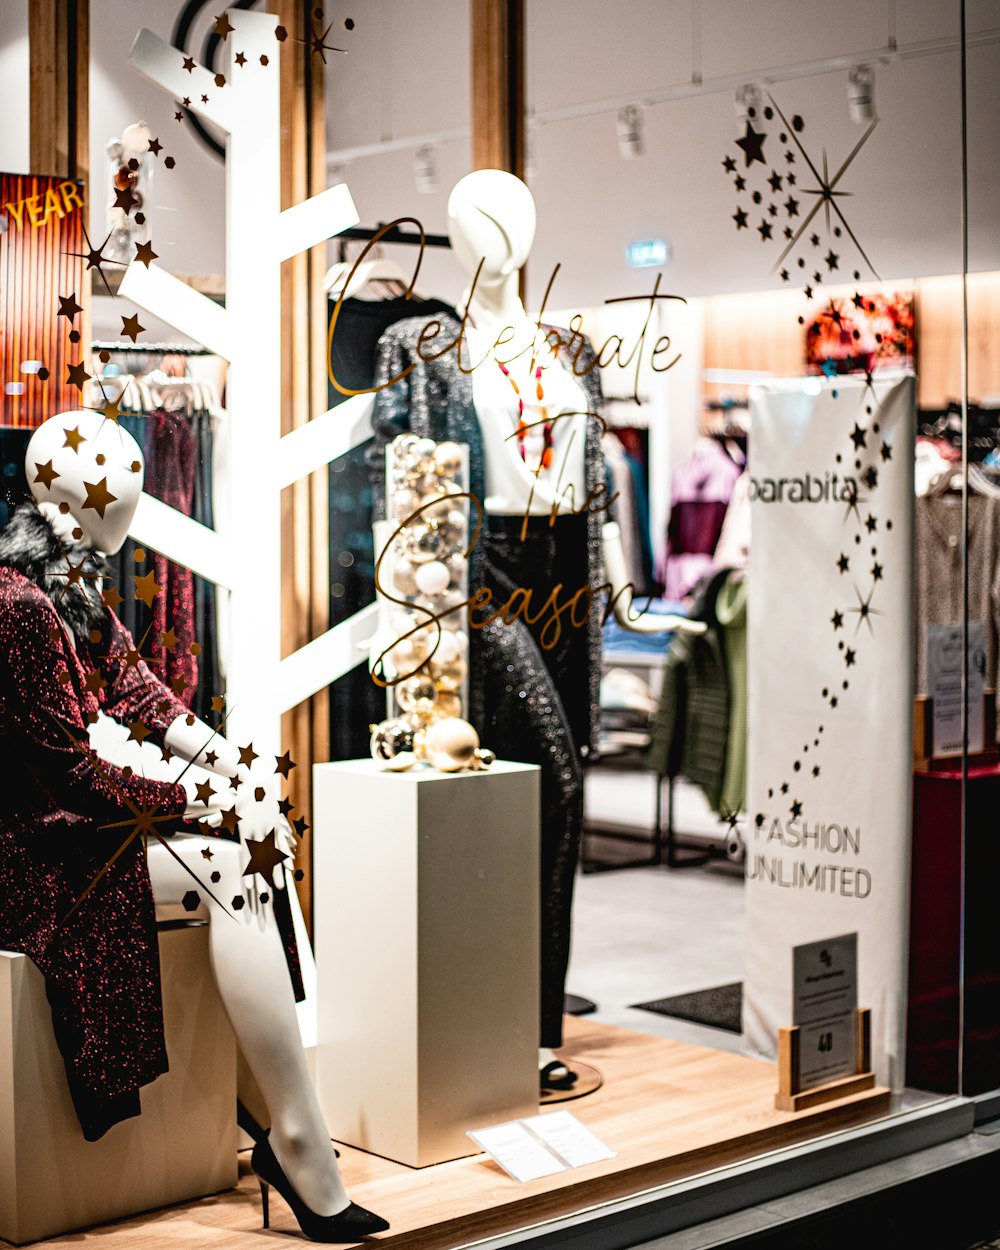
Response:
column 424, row 571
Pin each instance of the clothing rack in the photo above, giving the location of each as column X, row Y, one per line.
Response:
column 154, row 349
column 395, row 235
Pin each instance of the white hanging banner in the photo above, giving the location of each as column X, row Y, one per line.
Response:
column 830, row 657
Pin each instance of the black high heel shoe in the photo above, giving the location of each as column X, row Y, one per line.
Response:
column 348, row 1225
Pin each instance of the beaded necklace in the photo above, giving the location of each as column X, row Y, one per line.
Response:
column 545, row 460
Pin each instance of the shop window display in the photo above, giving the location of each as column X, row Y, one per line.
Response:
column 627, row 510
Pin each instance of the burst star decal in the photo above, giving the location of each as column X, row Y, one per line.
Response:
column 316, row 42
column 96, row 259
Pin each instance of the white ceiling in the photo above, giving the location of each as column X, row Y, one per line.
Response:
column 406, row 74
column 905, row 206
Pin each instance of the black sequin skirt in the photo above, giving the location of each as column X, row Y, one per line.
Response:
column 536, row 694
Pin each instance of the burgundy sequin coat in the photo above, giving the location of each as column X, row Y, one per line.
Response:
column 62, row 815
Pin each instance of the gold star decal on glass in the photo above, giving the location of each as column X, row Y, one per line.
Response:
column 168, row 639
column 98, row 496
column 204, row 791
column 138, row 731
column 146, row 588
column 144, row 253
column 229, row 821
column 94, row 682
column 264, row 858
column 78, row 375
column 155, row 146
column 68, row 307
column 285, row 764
column 223, row 26
column 248, row 755
column 188, row 64
column 46, row 474
column 218, row 703
column 131, row 326
column 109, row 411
column 178, row 684
column 207, row 852
column 211, row 759
column 74, row 438
column 111, row 598
column 125, row 198
column 240, row 59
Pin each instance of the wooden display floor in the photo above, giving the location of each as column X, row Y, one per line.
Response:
column 669, row 1109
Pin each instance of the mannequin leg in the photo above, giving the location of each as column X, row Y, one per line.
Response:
column 248, row 961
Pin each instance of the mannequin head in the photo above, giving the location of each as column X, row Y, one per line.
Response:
column 85, row 473
column 491, row 218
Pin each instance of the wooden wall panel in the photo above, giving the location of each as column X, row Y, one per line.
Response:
column 760, row 331
column 498, row 85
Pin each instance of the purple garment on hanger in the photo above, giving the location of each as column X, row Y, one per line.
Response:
column 701, row 488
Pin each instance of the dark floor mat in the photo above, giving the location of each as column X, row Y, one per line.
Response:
column 721, row 1007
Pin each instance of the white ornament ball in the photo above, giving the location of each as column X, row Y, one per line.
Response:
column 432, row 578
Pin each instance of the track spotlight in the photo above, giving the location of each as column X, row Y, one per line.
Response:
column 425, row 173
column 631, row 132
column 861, row 94
column 747, row 102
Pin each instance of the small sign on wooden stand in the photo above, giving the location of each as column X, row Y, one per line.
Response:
column 791, row 1096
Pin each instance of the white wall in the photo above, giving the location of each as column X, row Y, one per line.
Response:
column 187, row 203
column 14, row 87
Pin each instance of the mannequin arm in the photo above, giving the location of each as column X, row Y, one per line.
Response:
column 196, row 741
column 623, row 595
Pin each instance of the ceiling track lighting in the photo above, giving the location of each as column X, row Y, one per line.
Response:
column 861, row 94
column 425, row 173
column 748, row 102
column 631, row 132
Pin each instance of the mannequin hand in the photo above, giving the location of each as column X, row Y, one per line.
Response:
column 205, row 800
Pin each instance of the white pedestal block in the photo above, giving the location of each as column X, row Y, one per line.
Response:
column 426, row 936
column 183, row 1144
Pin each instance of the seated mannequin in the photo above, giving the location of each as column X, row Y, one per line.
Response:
column 76, row 886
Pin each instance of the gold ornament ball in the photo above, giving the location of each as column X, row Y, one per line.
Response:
column 448, row 704
column 450, row 676
column 448, row 459
column 392, row 745
column 416, row 694
column 451, row 744
column 403, row 577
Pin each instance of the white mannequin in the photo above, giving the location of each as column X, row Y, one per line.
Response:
column 88, row 489
column 491, row 224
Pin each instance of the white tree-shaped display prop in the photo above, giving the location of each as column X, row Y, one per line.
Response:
column 243, row 554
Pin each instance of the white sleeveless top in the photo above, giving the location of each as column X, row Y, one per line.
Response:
column 512, row 488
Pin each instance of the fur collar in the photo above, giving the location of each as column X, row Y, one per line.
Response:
column 29, row 545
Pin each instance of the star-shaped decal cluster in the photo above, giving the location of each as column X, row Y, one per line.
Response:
column 765, row 171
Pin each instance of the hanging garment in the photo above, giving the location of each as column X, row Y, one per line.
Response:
column 641, row 522
column 624, row 510
column 435, row 400
column 700, row 492
column 732, row 551
column 938, row 572
column 731, row 613
column 170, row 476
column 692, row 723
